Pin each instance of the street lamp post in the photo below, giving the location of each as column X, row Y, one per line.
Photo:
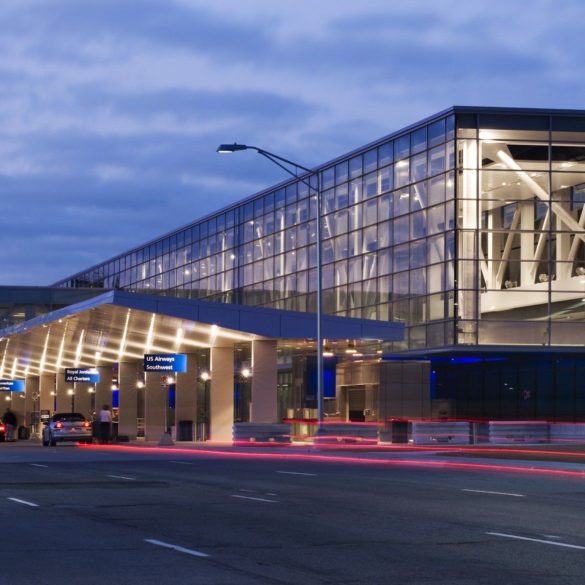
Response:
column 282, row 162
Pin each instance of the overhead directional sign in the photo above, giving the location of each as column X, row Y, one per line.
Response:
column 165, row 362
column 82, row 375
column 11, row 385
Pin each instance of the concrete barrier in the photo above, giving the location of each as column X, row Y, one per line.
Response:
column 509, row 432
column 440, row 433
column 245, row 432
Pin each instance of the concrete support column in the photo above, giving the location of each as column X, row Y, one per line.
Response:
column 17, row 405
column 264, row 370
column 83, row 399
column 221, row 394
column 30, row 403
column 186, row 393
column 63, row 398
column 128, row 402
column 527, row 243
column 46, row 390
column 155, row 406
column 103, row 389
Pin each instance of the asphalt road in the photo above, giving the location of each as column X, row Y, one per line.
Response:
column 75, row 516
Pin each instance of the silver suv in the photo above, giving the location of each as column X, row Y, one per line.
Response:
column 67, row 426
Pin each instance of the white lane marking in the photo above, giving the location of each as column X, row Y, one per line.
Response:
column 19, row 501
column 121, row 477
column 187, row 551
column 296, row 473
column 495, row 493
column 38, row 465
column 550, row 536
column 564, row 544
column 256, row 499
column 181, row 462
column 245, row 490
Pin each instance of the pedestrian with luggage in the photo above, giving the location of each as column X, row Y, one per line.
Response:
column 9, row 420
column 105, row 420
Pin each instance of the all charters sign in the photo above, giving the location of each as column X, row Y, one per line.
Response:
column 165, row 362
column 82, row 375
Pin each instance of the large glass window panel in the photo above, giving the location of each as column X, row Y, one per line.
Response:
column 402, row 147
column 291, row 239
column 355, row 166
column 341, row 172
column 418, row 282
column 370, row 239
column 302, row 259
column 268, row 268
column 290, row 262
column 354, row 242
column 436, row 132
column 341, row 247
column 418, row 167
column 436, row 219
column 341, row 196
column 419, row 197
column 401, row 229
column 328, row 276
column 436, row 249
column 385, row 234
column 303, row 234
column 355, row 217
column 341, row 273
column 385, row 207
column 418, row 141
column 418, row 254
column 371, row 184
column 371, row 212
column 328, row 178
column 327, row 252
column 401, row 202
column 371, row 160
column 401, row 256
column 401, row 173
column 385, row 179
column 355, row 295
column 435, row 278
column 328, row 201
column 437, row 160
column 340, row 221
column 400, row 285
column 369, row 266
column 385, row 154
column 437, row 190
column 355, row 191
column 418, row 227
column 355, row 269
column 384, row 261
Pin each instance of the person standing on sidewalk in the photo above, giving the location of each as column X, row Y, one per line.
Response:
column 9, row 420
column 105, row 420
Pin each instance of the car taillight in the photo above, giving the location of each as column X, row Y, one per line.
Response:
column 2, row 427
column 87, row 424
column 59, row 425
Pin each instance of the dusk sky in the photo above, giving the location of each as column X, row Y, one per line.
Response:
column 111, row 110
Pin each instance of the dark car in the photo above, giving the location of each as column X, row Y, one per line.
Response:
column 67, row 426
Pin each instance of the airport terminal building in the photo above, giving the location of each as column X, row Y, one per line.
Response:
column 453, row 278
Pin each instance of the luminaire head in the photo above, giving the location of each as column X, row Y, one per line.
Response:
column 229, row 148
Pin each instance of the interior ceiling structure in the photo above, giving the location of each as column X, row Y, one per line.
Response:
column 119, row 326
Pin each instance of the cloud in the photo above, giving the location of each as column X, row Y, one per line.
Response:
column 111, row 111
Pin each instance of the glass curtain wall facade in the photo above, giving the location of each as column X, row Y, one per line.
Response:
column 468, row 227
column 388, row 228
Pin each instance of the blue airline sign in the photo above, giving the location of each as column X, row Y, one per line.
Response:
column 83, row 375
column 11, row 385
column 165, row 362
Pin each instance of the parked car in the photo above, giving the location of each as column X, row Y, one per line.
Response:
column 2, row 433
column 67, row 426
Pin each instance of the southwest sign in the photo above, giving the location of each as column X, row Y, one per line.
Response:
column 83, row 375
column 165, row 362
column 11, row 385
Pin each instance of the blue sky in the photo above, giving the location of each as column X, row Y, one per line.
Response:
column 111, row 110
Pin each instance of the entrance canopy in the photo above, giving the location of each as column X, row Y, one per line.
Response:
column 119, row 326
